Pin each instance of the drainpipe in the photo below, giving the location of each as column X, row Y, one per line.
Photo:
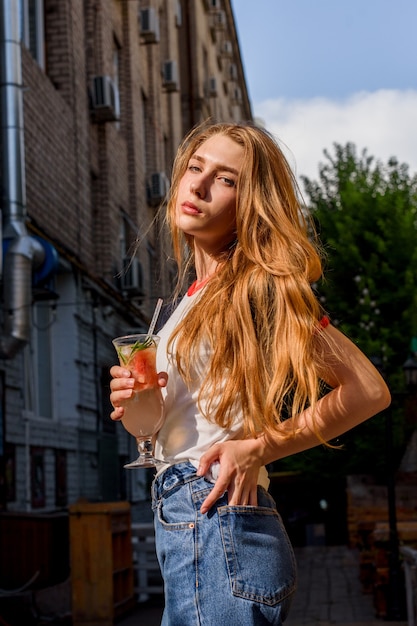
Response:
column 22, row 253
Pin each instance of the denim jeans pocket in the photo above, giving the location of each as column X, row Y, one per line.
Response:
column 177, row 509
column 259, row 556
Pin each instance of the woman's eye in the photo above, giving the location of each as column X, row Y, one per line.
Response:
column 228, row 181
column 194, row 168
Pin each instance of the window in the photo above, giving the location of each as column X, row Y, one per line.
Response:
column 37, row 477
column 61, row 478
column 10, row 472
column 109, row 426
column 124, row 237
column 153, row 277
column 116, row 77
column 32, row 28
column 116, row 63
column 7, row 456
column 148, row 133
column 44, row 316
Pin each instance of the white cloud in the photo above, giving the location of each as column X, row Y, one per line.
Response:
column 384, row 122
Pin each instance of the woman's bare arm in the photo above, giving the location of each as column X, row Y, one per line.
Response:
column 358, row 392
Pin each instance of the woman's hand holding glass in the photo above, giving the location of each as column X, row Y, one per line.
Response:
column 137, row 402
column 121, row 388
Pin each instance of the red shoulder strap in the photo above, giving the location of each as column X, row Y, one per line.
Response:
column 324, row 322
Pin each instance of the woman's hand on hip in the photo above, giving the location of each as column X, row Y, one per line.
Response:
column 238, row 475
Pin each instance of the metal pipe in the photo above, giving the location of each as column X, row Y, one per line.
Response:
column 11, row 112
column 17, row 293
column 23, row 252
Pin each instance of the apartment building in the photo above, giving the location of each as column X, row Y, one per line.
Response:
column 95, row 98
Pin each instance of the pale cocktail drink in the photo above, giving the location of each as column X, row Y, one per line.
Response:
column 143, row 412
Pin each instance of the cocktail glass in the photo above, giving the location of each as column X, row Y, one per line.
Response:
column 144, row 411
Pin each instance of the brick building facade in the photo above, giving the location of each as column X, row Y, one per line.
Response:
column 107, row 90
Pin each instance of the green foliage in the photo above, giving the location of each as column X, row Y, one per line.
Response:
column 366, row 216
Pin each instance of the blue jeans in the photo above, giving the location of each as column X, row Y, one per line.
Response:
column 233, row 566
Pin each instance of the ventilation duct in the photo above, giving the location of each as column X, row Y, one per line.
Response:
column 23, row 253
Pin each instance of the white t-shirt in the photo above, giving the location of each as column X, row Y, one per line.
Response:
column 186, row 434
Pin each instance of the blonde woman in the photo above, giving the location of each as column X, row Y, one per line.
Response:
column 247, row 345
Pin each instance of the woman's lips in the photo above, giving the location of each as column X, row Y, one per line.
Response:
column 190, row 209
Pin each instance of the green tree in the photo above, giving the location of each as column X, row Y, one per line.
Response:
column 366, row 216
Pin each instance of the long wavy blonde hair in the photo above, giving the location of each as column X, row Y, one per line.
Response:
column 258, row 312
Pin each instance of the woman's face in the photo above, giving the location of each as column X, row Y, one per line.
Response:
column 206, row 200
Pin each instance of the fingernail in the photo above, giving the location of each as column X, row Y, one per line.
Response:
column 199, row 471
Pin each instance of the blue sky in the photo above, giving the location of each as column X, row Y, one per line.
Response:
column 325, row 71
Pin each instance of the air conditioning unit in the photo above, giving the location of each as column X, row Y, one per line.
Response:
column 212, row 87
column 149, row 25
column 227, row 49
column 170, row 75
column 157, row 188
column 104, row 99
column 132, row 277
